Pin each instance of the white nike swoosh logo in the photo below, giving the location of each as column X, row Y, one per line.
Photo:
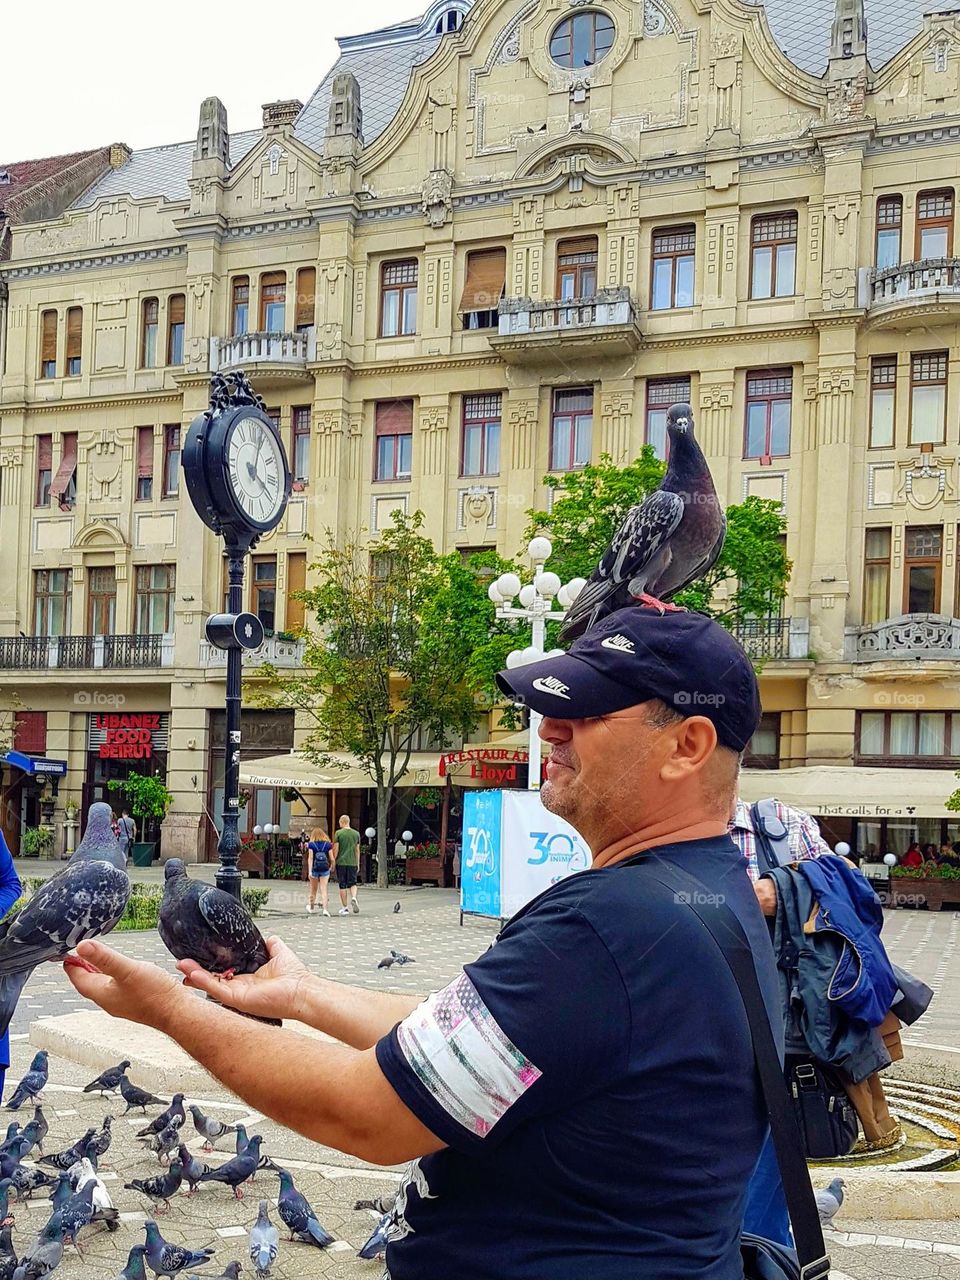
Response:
column 543, row 688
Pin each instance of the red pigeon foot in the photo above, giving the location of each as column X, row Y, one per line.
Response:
column 662, row 606
column 76, row 962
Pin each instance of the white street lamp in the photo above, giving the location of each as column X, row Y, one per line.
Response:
column 370, row 833
column 544, row 600
column 406, row 837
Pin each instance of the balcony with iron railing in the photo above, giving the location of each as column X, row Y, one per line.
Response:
column 912, row 637
column 272, row 357
column 602, row 325
column 895, row 296
column 86, row 653
column 775, row 639
column 278, row 652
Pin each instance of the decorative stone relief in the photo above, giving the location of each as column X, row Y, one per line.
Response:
column 11, row 469
column 523, row 422
column 477, row 509
column 104, row 462
column 716, row 406
column 616, row 412
column 437, row 200
column 925, row 481
column 654, row 20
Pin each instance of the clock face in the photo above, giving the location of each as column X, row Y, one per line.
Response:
column 256, row 471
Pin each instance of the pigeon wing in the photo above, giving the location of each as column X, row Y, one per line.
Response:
column 84, row 900
column 234, row 933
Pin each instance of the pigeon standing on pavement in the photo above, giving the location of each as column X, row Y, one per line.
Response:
column 134, row 1270
column 44, row 1254
column 396, row 908
column 35, row 1081
column 665, row 542
column 200, row 922
column 78, row 1212
column 230, row 1272
column 264, row 1242
column 26, row 1178
column 829, row 1201
column 376, row 1244
column 174, row 1115
column 101, row 1141
column 64, row 1159
column 161, row 1188
column 8, row 1257
column 193, row 1169
column 109, row 1080
column 61, row 1192
column 5, row 1214
column 208, row 1128
column 395, row 957
column 167, row 1259
column 84, row 900
column 300, row 1220
column 136, row 1097
column 40, row 1120
column 103, row 1208
column 164, row 1142
column 238, row 1170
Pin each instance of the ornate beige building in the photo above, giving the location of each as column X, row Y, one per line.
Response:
column 496, row 242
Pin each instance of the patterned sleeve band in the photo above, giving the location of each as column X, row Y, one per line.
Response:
column 457, row 1051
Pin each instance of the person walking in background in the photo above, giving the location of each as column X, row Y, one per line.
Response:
column 322, row 862
column 127, row 832
column 10, row 891
column 346, row 843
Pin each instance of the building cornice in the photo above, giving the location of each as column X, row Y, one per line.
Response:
column 93, row 402
column 132, row 257
column 736, row 333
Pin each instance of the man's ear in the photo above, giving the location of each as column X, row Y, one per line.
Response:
column 695, row 741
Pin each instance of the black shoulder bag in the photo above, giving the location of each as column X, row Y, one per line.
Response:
column 762, row 1259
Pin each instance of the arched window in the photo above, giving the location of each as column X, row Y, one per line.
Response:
column 448, row 22
column 582, row 40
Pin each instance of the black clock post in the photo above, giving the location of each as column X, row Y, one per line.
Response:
column 238, row 479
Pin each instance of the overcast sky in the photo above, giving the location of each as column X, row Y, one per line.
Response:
column 78, row 74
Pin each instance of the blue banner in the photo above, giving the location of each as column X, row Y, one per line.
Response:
column 480, row 859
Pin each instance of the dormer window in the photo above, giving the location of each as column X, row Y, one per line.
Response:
column 4, row 178
column 449, row 22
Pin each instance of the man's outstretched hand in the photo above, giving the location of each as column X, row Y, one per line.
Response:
column 277, row 990
column 123, row 987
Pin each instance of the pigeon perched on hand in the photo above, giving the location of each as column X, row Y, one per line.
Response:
column 395, row 957
column 829, row 1201
column 109, row 1080
column 8, row 1257
column 238, row 1170
column 83, row 900
column 299, row 1218
column 35, row 1081
column 210, row 1129
column 161, row 1188
column 665, row 542
column 264, row 1242
column 134, row 1270
column 167, row 1259
column 136, row 1097
column 64, row 1159
column 174, row 1115
column 200, row 922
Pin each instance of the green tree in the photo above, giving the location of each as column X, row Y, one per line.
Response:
column 396, row 625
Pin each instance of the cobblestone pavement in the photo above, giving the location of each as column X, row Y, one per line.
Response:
column 348, row 948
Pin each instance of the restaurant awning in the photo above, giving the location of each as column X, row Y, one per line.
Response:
column 35, row 764
column 832, row 791
column 291, row 770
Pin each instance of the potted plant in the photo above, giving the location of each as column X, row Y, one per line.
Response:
column 425, row 864
column 149, row 799
column 427, row 797
column 36, row 842
column 930, row 885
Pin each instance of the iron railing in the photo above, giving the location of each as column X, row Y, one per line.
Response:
column 765, row 638
column 133, row 651
column 24, row 653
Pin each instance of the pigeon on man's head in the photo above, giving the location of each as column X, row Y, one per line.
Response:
column 161, row 1188
column 174, row 1115
column 300, row 1219
column 829, row 1201
column 134, row 1096
column 83, row 900
column 167, row 1259
column 8, row 1256
column 134, row 1270
column 200, row 922
column 667, row 541
column 208, row 1128
column 264, row 1242
column 109, row 1080
column 35, row 1081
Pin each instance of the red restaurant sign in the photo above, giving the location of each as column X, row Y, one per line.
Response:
column 127, row 737
column 489, row 755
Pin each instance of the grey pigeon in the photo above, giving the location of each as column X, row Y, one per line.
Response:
column 829, row 1201
column 64, row 1159
column 174, row 1115
column 83, row 900
column 26, row 1178
column 136, row 1097
column 209, row 1129
column 193, row 1169
column 8, row 1258
column 12, row 1140
column 164, row 1142
column 40, row 1120
column 243, row 1139
column 101, row 1141
column 396, row 908
column 299, row 1218
column 44, row 1254
column 167, row 1259
column 13, row 1128
column 76, row 1213
column 382, row 1204
column 161, row 1188
column 34, row 1082
column 26, row 1140
column 665, row 542
column 395, row 957
column 230, row 1272
column 238, row 1170
column 264, row 1242
column 5, row 1214
column 61, row 1192
column 134, row 1270
column 109, row 1080
column 376, row 1244
column 102, row 1204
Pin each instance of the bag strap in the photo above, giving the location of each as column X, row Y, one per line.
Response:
column 729, row 936
column 771, row 836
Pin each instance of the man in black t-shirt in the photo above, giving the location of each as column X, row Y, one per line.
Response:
column 581, row 1101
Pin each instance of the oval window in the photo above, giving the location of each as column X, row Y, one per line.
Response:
column 581, row 41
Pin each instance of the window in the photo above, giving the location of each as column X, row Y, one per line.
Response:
column 154, row 590
column 928, row 397
column 480, row 451
column 769, row 396
column 661, row 394
column 577, row 268
column 889, row 229
column 394, row 430
column 148, row 336
column 52, row 597
column 274, row 416
column 63, row 489
column 74, row 340
column 483, row 289
column 48, row 344
column 300, row 453
column 934, row 224
column 30, row 732
column 44, row 470
column 907, row 738
column 398, row 299
column 763, row 749
column 876, row 576
column 773, row 263
column 922, row 565
column 571, row 428
column 273, row 302
column 102, row 601
column 176, row 314
column 883, row 398
column 264, row 601
column 296, row 581
column 581, row 41
column 448, row 22
column 171, row 461
column 672, row 275
column 144, row 464
column 306, row 299
column 241, row 306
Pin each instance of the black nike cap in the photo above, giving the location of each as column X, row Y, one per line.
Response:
column 684, row 659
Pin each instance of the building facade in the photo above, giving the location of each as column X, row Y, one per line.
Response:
column 495, row 244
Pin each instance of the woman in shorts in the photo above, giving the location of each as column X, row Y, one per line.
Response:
column 322, row 862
